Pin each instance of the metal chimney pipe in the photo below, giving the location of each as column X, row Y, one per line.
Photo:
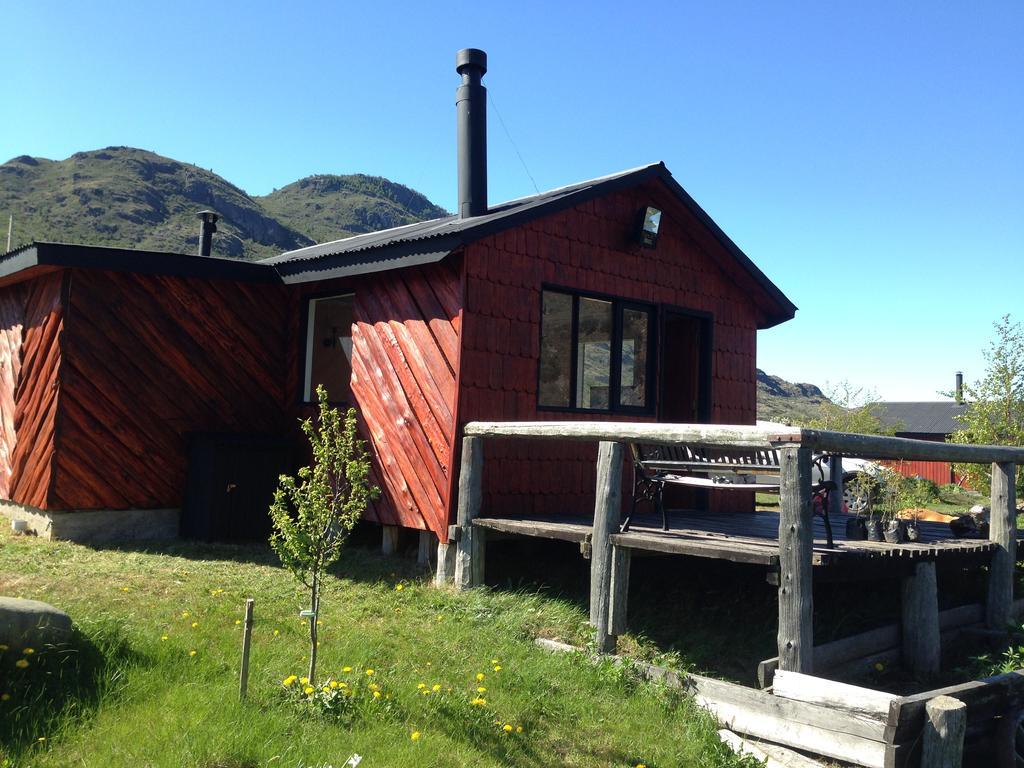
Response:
column 471, row 109
column 959, row 387
column 207, row 226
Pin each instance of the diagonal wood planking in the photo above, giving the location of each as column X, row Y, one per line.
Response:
column 149, row 359
column 405, row 342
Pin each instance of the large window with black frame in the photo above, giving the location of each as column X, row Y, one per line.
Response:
column 595, row 353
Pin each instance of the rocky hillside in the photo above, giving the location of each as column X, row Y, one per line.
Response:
column 780, row 400
column 134, row 198
column 328, row 207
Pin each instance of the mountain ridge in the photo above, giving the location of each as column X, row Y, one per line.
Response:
column 130, row 197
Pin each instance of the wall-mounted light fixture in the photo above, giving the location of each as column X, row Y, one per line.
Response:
column 650, row 223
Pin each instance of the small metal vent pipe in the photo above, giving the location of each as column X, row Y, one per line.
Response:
column 959, row 387
column 207, row 226
column 471, row 109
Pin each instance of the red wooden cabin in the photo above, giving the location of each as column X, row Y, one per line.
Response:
column 563, row 304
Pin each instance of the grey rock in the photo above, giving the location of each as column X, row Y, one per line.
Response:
column 32, row 623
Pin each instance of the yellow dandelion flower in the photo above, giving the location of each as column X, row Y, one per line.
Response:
column 415, row 735
column 333, row 683
column 195, row 624
column 440, row 616
column 5, row 697
column 495, row 661
column 308, row 690
column 346, row 669
column 430, row 663
column 290, row 680
column 519, row 729
column 374, row 687
column 277, row 632
column 163, row 637
column 191, row 653
column 480, row 676
column 237, row 622
column 399, row 587
column 343, row 685
column 369, row 673
column 497, row 667
column 421, row 685
column 41, row 738
column 376, row 694
column 478, row 702
column 28, row 651
column 481, row 689
column 506, row 728
column 124, row 589
column 435, row 687
column 326, row 689
column 304, row 680
column 185, row 614
column 21, row 663
column 641, row 765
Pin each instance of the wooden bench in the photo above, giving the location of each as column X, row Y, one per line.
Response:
column 655, row 465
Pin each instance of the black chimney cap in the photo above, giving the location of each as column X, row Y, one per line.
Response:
column 471, row 57
column 210, row 216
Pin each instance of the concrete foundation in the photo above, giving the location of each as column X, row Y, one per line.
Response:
column 96, row 526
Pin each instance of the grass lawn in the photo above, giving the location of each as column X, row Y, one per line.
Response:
column 152, row 679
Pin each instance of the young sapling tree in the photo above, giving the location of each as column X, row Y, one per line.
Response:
column 314, row 512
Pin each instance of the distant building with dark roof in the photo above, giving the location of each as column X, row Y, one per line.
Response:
column 934, row 421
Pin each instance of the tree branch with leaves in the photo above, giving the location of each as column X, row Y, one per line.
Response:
column 314, row 512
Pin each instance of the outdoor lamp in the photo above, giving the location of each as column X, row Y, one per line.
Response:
column 650, row 223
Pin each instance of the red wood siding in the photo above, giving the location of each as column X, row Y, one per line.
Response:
column 405, row 355
column 149, row 359
column 37, row 392
column 12, row 319
column 587, row 248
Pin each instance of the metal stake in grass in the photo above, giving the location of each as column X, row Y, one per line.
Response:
column 243, row 683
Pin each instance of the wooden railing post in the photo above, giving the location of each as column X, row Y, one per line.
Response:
column 945, row 726
column 835, row 471
column 607, row 509
column 1002, row 531
column 469, row 557
column 920, row 625
column 796, row 544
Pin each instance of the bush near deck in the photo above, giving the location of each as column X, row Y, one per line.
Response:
column 152, row 677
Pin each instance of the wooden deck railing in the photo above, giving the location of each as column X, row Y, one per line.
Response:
column 610, row 564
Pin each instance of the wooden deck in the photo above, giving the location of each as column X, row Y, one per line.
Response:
column 745, row 537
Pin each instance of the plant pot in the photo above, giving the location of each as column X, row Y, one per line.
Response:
column 874, row 530
column 913, row 532
column 856, row 530
column 896, row 531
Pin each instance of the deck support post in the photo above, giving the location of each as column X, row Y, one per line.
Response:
column 423, row 551
column 621, row 560
column 945, row 726
column 607, row 510
column 1002, row 531
column 445, row 573
column 796, row 545
column 389, row 539
column 920, row 622
column 469, row 557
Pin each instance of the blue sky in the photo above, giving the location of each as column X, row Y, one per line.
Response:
column 867, row 156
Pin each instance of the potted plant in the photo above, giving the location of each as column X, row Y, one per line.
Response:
column 890, row 501
column 859, row 527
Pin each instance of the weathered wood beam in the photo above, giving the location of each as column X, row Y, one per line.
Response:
column 1002, row 531
column 862, row 702
column 703, row 434
column 882, row 447
column 607, row 509
column 944, row 730
column 469, row 556
column 920, row 622
column 796, row 601
column 740, row 436
column 445, row 573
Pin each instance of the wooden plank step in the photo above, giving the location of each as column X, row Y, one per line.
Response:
column 862, row 702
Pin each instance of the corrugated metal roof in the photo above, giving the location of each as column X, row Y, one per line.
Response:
column 430, row 241
column 937, row 418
